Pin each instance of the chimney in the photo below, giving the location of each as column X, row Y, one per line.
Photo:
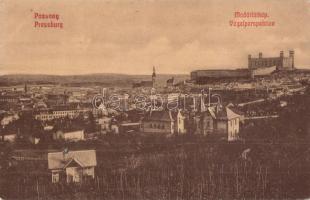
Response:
column 281, row 54
column 260, row 55
column 64, row 154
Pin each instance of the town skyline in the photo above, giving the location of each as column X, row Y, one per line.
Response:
column 154, row 99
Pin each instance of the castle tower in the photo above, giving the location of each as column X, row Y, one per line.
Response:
column 280, row 65
column 292, row 57
column 153, row 76
column 281, row 54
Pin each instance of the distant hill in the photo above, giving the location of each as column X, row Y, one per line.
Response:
column 106, row 79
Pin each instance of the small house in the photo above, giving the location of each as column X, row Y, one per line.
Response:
column 9, row 136
column 72, row 166
column 218, row 120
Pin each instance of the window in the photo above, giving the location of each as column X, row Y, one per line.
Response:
column 208, row 123
column 55, row 177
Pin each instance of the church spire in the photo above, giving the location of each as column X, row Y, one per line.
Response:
column 153, row 77
column 154, row 73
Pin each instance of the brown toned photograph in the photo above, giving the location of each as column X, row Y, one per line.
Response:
column 154, row 99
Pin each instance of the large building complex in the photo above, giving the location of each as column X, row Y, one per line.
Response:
column 281, row 62
column 259, row 66
column 60, row 112
column 201, row 76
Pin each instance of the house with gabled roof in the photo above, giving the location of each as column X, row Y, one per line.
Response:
column 9, row 136
column 72, row 166
column 218, row 120
column 163, row 121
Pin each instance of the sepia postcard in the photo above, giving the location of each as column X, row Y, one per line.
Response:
column 154, row 99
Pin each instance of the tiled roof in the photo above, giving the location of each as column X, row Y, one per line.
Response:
column 159, row 116
column 58, row 160
column 222, row 113
column 146, row 83
column 171, row 80
column 231, row 114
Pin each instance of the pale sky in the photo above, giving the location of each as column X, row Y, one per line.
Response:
column 132, row 36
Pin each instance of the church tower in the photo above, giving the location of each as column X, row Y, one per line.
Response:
column 153, row 77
